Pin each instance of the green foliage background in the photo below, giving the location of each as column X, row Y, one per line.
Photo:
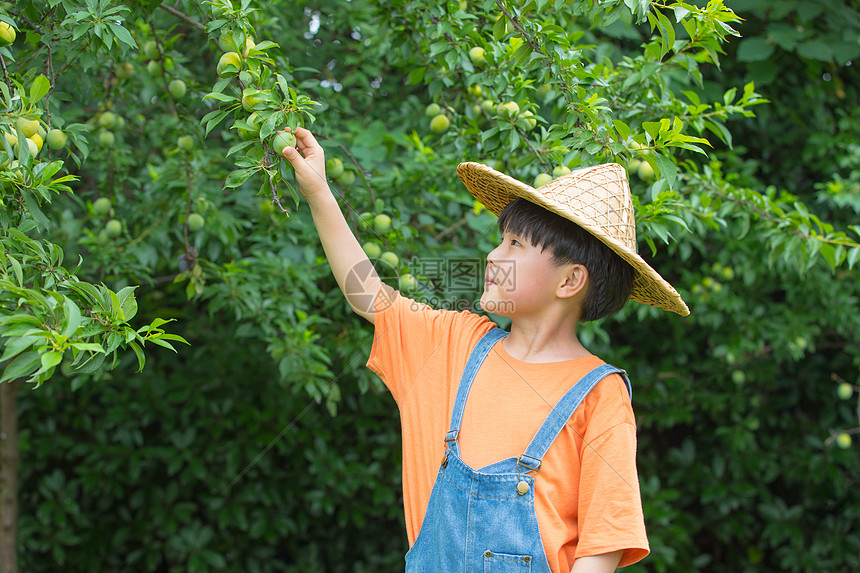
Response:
column 267, row 446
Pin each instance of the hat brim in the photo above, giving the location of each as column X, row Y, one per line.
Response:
column 495, row 190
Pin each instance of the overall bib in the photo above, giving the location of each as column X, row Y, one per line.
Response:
column 485, row 521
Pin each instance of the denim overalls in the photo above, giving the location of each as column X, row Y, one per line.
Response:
column 485, row 521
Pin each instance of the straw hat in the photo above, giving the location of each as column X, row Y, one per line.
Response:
column 595, row 198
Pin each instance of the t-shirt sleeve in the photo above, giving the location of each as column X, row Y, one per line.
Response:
column 610, row 503
column 408, row 333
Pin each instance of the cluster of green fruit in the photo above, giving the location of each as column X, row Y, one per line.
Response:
column 381, row 223
column 103, row 207
column 231, row 63
column 35, row 136
column 709, row 285
column 105, row 124
column 155, row 66
column 335, row 170
column 641, row 167
column 544, row 178
column 845, row 391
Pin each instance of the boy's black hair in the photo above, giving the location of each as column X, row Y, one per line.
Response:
column 610, row 278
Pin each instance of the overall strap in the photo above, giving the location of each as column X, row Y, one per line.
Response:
column 476, row 358
column 562, row 412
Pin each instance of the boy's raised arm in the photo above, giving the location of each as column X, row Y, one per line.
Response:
column 351, row 267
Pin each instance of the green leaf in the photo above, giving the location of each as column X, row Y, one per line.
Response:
column 622, row 128
column 138, row 351
column 815, row 50
column 239, row 176
column 15, row 345
column 24, row 365
column 39, row 88
column 667, row 168
column 72, row 317
column 754, row 49
column 122, row 35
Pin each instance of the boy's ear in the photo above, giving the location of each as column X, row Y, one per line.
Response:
column 575, row 281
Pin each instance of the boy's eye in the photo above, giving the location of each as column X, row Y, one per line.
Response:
column 515, row 242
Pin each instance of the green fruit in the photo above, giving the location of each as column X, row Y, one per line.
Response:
column 27, row 126
column 150, row 50
column 372, row 250
column 510, row 109
column 334, row 167
column 124, row 70
column 102, row 206
column 843, row 440
column 195, row 222
column 252, row 120
column 527, row 120
column 34, row 144
column 346, row 178
column 440, row 123
column 177, row 88
column 153, row 68
column 250, row 98
column 407, row 282
column 432, row 110
column 56, row 139
column 541, row 180
column 738, row 377
column 113, row 228
column 31, row 146
column 365, row 220
column 560, row 170
column 475, row 91
column 107, row 120
column 645, row 171
column 226, row 42
column 229, row 65
column 488, row 105
column 728, row 273
column 7, row 34
column 106, row 138
column 283, row 140
column 845, row 391
column 185, row 142
column 390, row 259
column 476, row 54
column 382, row 223
column 266, row 208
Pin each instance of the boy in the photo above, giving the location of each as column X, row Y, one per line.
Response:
column 537, row 467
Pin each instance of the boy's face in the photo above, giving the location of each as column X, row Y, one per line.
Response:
column 519, row 279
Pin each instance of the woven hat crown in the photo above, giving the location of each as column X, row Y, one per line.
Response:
column 600, row 197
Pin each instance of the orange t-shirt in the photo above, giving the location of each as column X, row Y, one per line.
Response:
column 587, row 496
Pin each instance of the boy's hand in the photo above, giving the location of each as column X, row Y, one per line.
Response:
column 308, row 159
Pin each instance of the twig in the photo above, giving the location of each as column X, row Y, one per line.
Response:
column 181, row 16
column 451, row 229
column 5, row 73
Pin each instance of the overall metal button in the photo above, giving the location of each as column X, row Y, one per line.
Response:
column 488, row 553
column 522, row 488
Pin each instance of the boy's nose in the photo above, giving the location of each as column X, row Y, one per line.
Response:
column 491, row 256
